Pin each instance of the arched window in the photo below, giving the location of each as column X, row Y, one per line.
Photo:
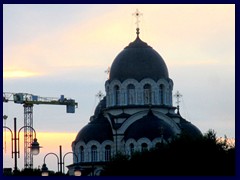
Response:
column 144, row 147
column 94, row 153
column 131, row 147
column 117, row 95
column 131, row 94
column 81, row 154
column 158, row 145
column 107, row 152
column 161, row 93
column 147, row 94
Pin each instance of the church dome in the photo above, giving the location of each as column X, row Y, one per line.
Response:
column 149, row 126
column 138, row 61
column 189, row 129
column 98, row 129
column 101, row 105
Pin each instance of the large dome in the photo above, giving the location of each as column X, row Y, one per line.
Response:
column 138, row 61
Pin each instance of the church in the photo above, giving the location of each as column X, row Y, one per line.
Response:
column 137, row 112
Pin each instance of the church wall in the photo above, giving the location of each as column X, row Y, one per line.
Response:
column 124, row 96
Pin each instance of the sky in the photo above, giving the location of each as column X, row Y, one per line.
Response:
column 52, row 50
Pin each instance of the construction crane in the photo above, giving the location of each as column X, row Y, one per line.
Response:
column 28, row 100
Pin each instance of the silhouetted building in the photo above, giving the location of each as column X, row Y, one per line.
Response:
column 137, row 112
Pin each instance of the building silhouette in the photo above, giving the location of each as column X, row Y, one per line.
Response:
column 137, row 112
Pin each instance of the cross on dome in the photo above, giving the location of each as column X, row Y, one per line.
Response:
column 100, row 95
column 137, row 14
column 178, row 96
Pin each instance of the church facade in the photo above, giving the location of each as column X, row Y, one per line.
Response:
column 137, row 112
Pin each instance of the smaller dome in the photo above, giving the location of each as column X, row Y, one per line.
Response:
column 101, row 105
column 149, row 126
column 99, row 130
column 189, row 129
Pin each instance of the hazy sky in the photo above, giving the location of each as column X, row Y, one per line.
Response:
column 53, row 50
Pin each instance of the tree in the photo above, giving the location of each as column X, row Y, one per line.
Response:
column 183, row 156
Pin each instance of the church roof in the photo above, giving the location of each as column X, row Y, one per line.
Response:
column 138, row 61
column 149, row 126
column 189, row 129
column 98, row 129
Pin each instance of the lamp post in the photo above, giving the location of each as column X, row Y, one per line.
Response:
column 60, row 162
column 35, row 148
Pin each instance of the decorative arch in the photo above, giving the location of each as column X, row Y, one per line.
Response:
column 131, row 120
column 116, row 95
column 92, row 154
column 162, row 90
column 151, row 92
column 81, row 154
column 130, row 146
column 131, row 94
column 157, row 141
column 80, row 150
column 102, row 149
column 147, row 94
column 107, row 153
column 142, row 141
column 111, row 96
column 130, row 81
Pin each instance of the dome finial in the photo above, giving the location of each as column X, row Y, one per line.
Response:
column 137, row 14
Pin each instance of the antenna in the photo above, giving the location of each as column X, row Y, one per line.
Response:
column 178, row 96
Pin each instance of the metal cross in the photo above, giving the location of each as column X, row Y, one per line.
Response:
column 177, row 95
column 107, row 71
column 100, row 95
column 137, row 14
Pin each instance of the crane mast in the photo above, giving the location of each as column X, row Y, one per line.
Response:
column 28, row 100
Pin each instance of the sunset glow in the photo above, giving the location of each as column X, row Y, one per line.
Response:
column 51, row 50
column 18, row 74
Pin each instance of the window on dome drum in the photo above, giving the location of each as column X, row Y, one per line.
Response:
column 117, row 94
column 158, row 145
column 94, row 153
column 144, row 147
column 81, row 154
column 161, row 92
column 107, row 152
column 131, row 93
column 147, row 94
column 131, row 146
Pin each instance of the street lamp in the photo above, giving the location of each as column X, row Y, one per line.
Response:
column 45, row 172
column 35, row 148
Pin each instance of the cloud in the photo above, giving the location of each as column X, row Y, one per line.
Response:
column 96, row 42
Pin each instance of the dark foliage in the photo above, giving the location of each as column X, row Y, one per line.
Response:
column 28, row 172
column 33, row 172
column 183, row 156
